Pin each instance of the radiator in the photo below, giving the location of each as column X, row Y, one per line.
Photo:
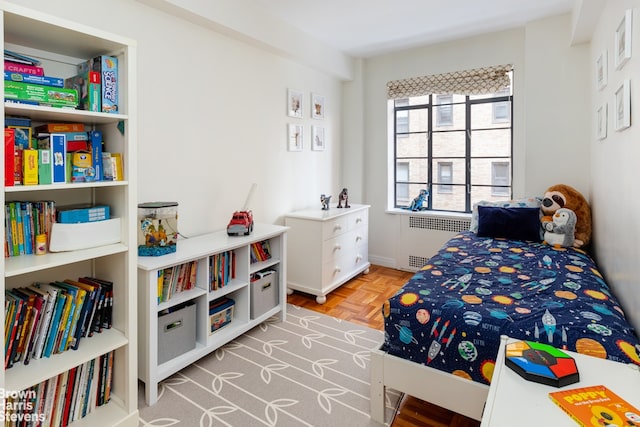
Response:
column 422, row 236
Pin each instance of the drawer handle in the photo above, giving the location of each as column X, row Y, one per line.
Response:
column 358, row 258
column 337, row 247
column 337, row 227
column 336, row 270
column 358, row 220
column 358, row 238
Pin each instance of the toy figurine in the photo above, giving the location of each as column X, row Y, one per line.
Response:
column 343, row 197
column 417, row 203
column 325, row 200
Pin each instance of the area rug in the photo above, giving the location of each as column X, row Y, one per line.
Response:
column 311, row 370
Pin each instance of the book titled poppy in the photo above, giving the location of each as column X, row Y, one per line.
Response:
column 596, row 406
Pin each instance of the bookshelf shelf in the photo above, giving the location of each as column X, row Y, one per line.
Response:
column 61, row 45
column 204, row 248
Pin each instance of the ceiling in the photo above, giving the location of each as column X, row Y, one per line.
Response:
column 363, row 28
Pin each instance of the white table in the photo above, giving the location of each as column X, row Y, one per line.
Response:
column 512, row 400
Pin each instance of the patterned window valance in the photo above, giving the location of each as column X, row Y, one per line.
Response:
column 470, row 82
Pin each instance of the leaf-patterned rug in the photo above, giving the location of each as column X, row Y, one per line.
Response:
column 311, row 370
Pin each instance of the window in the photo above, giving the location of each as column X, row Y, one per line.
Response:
column 458, row 146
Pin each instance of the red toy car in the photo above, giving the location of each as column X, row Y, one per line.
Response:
column 241, row 223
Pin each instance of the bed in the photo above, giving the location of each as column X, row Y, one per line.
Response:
column 443, row 328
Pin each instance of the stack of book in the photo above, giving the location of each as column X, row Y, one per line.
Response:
column 176, row 279
column 25, row 82
column 23, row 222
column 66, row 397
column 222, row 269
column 260, row 251
column 44, row 319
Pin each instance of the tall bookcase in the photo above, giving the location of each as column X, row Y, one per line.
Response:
column 61, row 45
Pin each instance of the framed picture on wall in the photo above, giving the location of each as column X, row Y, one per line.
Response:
column 294, row 103
column 317, row 106
column 601, row 122
column 317, row 138
column 622, row 46
column 601, row 70
column 622, row 112
column 295, row 137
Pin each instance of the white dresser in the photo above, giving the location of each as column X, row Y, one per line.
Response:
column 326, row 248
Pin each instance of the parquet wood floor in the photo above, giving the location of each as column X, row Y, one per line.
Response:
column 360, row 301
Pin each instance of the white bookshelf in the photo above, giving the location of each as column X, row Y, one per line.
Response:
column 61, row 45
column 202, row 248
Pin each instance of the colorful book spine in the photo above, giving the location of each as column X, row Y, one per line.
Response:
column 95, row 138
column 59, row 127
column 9, row 144
column 58, row 155
column 23, row 68
column 50, row 95
column 34, row 79
column 30, row 167
column 44, row 166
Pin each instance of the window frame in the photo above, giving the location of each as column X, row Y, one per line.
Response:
column 469, row 102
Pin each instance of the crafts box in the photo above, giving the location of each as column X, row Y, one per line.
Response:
column 157, row 228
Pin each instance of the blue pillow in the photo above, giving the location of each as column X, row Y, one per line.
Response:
column 509, row 223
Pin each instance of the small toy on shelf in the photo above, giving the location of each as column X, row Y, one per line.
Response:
column 343, row 197
column 325, row 200
column 241, row 222
column 417, row 204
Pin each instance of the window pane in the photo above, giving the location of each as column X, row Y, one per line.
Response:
column 491, row 143
column 501, row 179
column 483, row 116
column 482, row 171
column 418, row 120
column 417, row 169
column 451, row 201
column 457, row 115
column 402, row 121
column 449, row 144
column 457, row 174
column 413, row 145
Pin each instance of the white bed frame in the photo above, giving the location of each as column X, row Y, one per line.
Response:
column 457, row 394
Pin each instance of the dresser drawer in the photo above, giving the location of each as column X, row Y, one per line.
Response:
column 334, row 227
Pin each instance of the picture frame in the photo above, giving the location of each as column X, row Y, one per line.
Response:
column 294, row 103
column 295, row 135
column 601, row 122
column 317, row 106
column 318, row 141
column 622, row 44
column 601, row 70
column 622, row 112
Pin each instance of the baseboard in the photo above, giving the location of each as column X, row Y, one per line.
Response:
column 383, row 261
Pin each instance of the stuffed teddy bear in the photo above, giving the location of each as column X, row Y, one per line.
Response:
column 564, row 196
column 561, row 231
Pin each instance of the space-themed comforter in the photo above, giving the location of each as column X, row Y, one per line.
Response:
column 451, row 313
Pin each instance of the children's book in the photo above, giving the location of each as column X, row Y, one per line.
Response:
column 596, row 406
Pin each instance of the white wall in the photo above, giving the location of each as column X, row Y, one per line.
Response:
column 550, row 120
column 212, row 117
column 615, row 188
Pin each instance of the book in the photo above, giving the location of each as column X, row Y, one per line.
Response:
column 95, row 138
column 15, row 67
column 118, row 171
column 34, row 79
column 22, row 136
column 596, row 406
column 59, row 127
column 12, row 56
column 58, row 154
column 9, row 144
column 30, row 167
column 44, row 166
